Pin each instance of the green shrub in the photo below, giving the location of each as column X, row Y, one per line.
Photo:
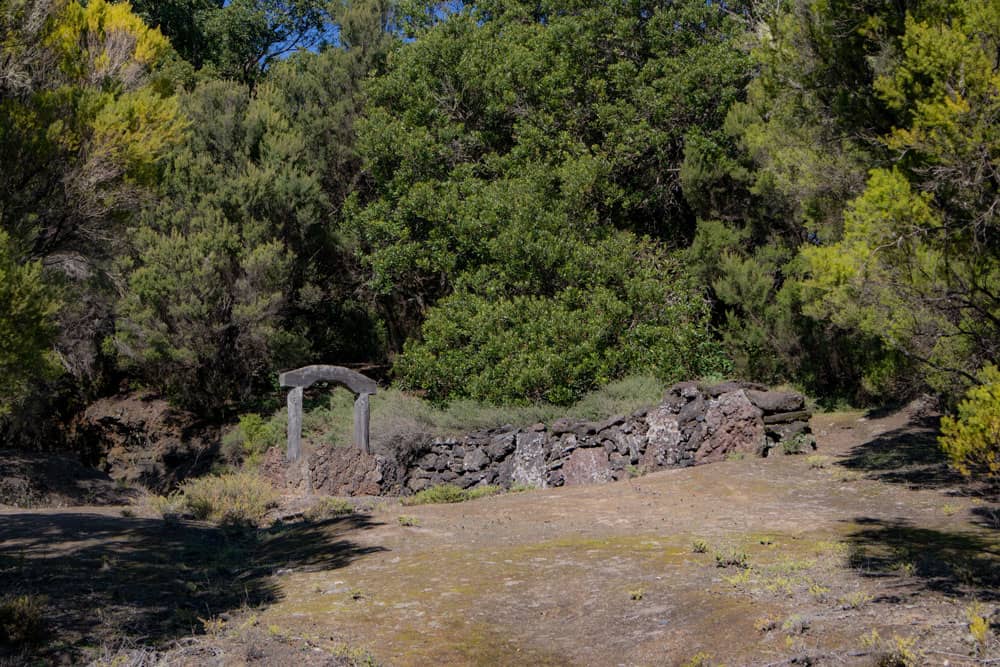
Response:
column 557, row 348
column 449, row 493
column 972, row 439
column 328, row 508
column 795, row 445
column 253, row 436
column 27, row 310
column 235, row 499
column 22, row 619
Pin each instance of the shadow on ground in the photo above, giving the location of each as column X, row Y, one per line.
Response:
column 952, row 563
column 909, row 455
column 109, row 578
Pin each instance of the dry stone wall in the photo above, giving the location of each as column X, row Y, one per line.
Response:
column 693, row 424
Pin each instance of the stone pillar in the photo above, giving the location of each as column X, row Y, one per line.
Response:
column 294, row 423
column 361, row 421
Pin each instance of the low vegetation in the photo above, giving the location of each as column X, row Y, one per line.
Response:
column 449, row 493
column 22, row 620
column 397, row 415
column 972, row 438
column 238, row 498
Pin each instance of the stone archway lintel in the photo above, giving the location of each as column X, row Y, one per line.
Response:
column 304, row 377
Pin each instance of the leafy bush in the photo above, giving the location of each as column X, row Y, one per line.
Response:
column 27, row 307
column 328, row 508
column 556, row 349
column 251, row 438
column 449, row 493
column 22, row 620
column 972, row 440
column 235, row 499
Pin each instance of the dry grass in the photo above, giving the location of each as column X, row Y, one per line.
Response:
column 240, row 498
column 396, row 415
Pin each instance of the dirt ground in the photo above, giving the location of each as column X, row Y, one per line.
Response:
column 866, row 549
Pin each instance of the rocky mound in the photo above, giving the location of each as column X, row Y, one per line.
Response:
column 142, row 440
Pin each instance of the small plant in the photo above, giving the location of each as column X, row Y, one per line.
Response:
column 906, row 568
column 843, row 475
column 128, row 513
column 328, row 508
column 795, row 624
column 636, row 594
column 764, row 624
column 521, row 488
column 817, row 461
column 408, row 521
column 22, row 620
column 449, row 493
column 735, row 456
column 699, row 659
column 948, row 509
column 796, row 444
column 854, row 600
column 818, row 591
column 635, row 471
column 733, row 558
column 979, row 626
column 482, row 491
column 699, row 546
column 970, row 439
column 213, row 627
column 248, row 441
column 235, row 499
column 896, row 652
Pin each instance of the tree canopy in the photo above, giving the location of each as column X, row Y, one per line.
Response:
column 509, row 201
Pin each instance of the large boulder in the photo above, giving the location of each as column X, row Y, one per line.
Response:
column 529, row 466
column 732, row 425
column 334, row 471
column 587, row 466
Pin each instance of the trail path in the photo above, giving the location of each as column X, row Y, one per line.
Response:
column 877, row 535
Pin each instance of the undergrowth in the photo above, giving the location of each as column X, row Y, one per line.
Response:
column 396, row 415
column 240, row 498
column 449, row 493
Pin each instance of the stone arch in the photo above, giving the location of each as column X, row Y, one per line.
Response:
column 304, row 377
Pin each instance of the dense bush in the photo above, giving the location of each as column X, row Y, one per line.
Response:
column 22, row 620
column 972, row 439
column 555, row 349
column 240, row 499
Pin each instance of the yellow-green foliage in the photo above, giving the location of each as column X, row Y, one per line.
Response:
column 251, row 438
column 979, row 627
column 449, row 493
column 328, row 508
column 96, row 39
column 238, row 498
column 27, row 307
column 972, row 439
column 22, row 620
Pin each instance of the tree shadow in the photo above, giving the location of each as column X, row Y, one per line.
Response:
column 108, row 578
column 956, row 564
column 909, row 455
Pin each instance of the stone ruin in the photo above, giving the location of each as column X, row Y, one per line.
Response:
column 303, row 378
column 695, row 423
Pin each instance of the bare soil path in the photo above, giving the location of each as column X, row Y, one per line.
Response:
column 870, row 534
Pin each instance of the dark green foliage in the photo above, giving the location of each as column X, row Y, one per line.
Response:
column 516, row 157
column 556, row 348
column 239, row 39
